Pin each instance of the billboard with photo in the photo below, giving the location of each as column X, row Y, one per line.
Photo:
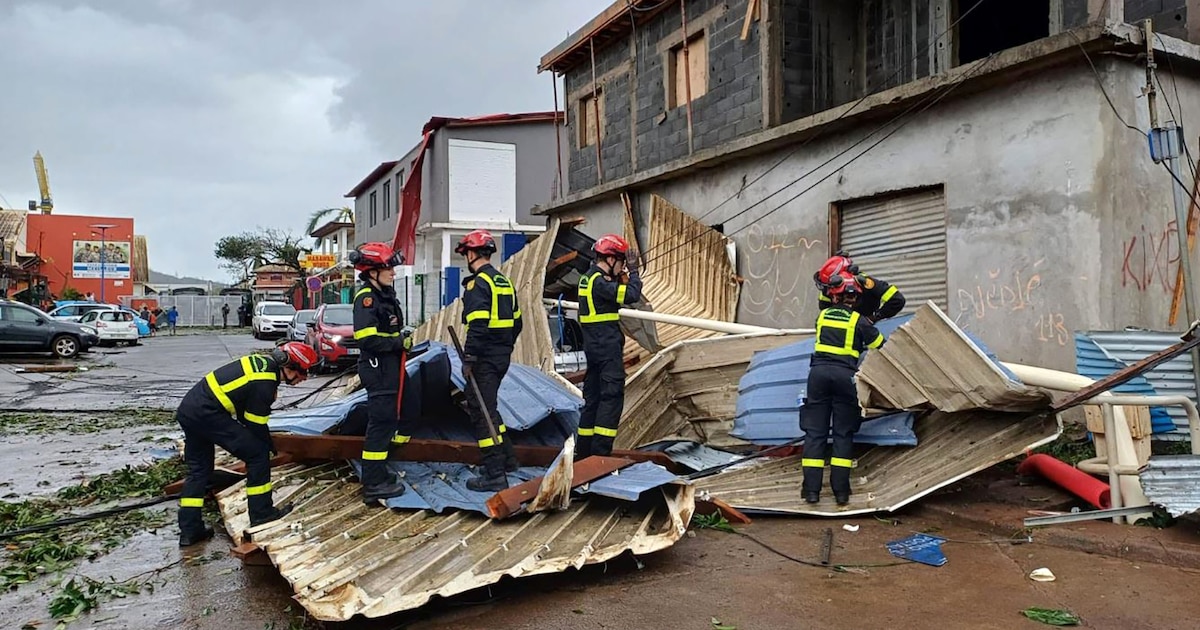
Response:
column 86, row 257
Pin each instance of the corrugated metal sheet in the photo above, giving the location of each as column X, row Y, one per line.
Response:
column 1093, row 362
column 1173, row 482
column 951, row 447
column 901, row 239
column 629, row 483
column 693, row 454
column 929, row 363
column 344, row 559
column 1173, row 378
column 688, row 272
column 527, row 270
column 689, row 390
column 768, row 408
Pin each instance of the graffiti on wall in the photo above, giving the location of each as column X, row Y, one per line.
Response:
column 1014, row 293
column 1150, row 259
column 774, row 288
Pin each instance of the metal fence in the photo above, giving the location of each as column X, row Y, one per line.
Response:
column 194, row 310
column 424, row 300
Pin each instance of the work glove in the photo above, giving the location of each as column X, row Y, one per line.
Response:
column 631, row 263
column 468, row 363
column 408, row 343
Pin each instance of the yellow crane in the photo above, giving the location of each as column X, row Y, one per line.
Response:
column 39, row 167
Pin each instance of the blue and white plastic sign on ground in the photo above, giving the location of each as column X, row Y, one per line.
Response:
column 921, row 548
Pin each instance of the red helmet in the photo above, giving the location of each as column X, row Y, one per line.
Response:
column 836, row 265
column 843, row 284
column 476, row 240
column 611, row 245
column 296, row 355
column 370, row 256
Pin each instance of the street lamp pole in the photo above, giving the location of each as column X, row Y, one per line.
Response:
column 104, row 228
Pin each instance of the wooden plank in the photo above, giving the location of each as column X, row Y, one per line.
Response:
column 751, row 15
column 508, row 502
column 1192, row 220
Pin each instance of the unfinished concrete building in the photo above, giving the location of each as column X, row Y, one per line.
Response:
column 989, row 156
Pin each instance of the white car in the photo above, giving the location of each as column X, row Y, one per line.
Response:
column 271, row 318
column 74, row 312
column 112, row 326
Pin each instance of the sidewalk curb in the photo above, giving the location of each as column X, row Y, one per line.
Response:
column 1134, row 543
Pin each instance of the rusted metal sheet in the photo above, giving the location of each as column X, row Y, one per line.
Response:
column 1173, row 482
column 554, row 490
column 508, row 502
column 344, row 559
column 928, row 363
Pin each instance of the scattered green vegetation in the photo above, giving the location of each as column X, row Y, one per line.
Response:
column 1161, row 519
column 1072, row 447
column 74, row 422
column 1164, row 447
column 712, row 521
column 718, row 625
column 1052, row 617
column 83, row 594
column 129, row 482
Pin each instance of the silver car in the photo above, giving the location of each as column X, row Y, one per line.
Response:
column 298, row 327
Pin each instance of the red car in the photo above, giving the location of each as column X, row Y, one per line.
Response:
column 331, row 334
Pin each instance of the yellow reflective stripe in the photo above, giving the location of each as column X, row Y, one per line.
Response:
column 887, row 295
column 248, row 375
column 612, row 433
column 474, row 315
column 586, row 432
column 358, row 294
column 878, row 342
column 255, row 418
column 401, row 439
column 809, row 462
column 191, row 502
column 374, row 456
column 830, row 321
column 372, row 331
column 841, row 462
column 821, row 297
column 487, row 443
column 621, row 290
column 585, row 293
column 494, row 319
column 503, row 428
column 216, row 390
column 257, row 490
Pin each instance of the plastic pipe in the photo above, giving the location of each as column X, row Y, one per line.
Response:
column 1075, row 481
column 1128, row 490
column 692, row 322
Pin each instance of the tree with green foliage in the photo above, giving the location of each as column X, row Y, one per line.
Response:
column 341, row 215
column 241, row 254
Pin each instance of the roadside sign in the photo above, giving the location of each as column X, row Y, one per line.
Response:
column 419, row 278
column 314, row 284
column 321, row 261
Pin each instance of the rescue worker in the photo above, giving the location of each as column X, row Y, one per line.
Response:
column 611, row 283
column 379, row 331
column 492, row 318
column 879, row 299
column 842, row 336
column 229, row 408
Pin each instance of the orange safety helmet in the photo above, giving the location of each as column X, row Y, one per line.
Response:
column 370, row 256
column 476, row 240
column 611, row 245
column 296, row 355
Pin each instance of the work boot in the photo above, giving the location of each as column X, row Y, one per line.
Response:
column 491, row 474
column 510, row 456
column 189, row 538
column 272, row 514
column 383, row 491
column 583, row 447
column 842, row 499
column 812, row 497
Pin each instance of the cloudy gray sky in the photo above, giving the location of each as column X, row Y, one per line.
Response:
column 201, row 118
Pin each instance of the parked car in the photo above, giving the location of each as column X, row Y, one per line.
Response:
column 271, row 319
column 74, row 311
column 143, row 326
column 298, row 328
column 27, row 329
column 112, row 326
column 331, row 334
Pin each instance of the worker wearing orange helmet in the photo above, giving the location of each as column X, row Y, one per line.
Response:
column 878, row 300
column 843, row 334
column 611, row 283
column 492, row 317
column 229, row 408
column 382, row 340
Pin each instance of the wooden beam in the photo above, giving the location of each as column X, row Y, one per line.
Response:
column 751, row 14
column 338, row 447
column 508, row 502
column 1192, row 218
column 713, row 505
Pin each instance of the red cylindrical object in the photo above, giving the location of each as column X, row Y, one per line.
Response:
column 1072, row 479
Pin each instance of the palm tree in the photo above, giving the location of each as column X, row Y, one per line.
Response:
column 343, row 215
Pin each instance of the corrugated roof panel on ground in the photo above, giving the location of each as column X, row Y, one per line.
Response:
column 1172, row 378
column 693, row 454
column 1094, row 362
column 1173, row 482
column 630, row 482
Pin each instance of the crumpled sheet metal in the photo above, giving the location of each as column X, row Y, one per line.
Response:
column 928, row 363
column 344, row 559
column 1173, row 482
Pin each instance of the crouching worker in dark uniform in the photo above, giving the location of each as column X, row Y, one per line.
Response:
column 493, row 320
column 842, row 336
column 229, row 408
column 379, row 330
column 609, row 285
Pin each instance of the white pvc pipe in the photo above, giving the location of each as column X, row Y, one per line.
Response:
column 691, row 322
column 1129, row 489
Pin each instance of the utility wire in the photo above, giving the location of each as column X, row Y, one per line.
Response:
column 825, row 129
column 1178, row 101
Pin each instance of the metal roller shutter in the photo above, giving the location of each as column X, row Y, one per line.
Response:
column 901, row 239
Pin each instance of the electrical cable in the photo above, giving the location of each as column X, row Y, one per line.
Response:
column 809, row 563
column 825, row 129
column 83, row 518
column 1178, row 101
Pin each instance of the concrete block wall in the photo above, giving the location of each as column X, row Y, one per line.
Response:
column 1170, row 17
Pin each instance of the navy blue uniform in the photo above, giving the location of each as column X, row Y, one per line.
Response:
column 492, row 318
column 879, row 300
column 600, row 299
column 378, row 328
